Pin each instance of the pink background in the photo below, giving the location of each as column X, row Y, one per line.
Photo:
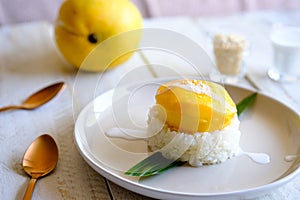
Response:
column 16, row 11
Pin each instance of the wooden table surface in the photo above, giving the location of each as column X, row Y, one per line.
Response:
column 30, row 60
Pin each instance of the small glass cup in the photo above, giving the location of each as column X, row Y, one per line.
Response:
column 229, row 52
column 286, row 53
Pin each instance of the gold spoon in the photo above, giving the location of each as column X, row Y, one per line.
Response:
column 38, row 98
column 39, row 159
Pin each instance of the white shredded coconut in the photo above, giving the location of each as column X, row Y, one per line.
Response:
column 200, row 87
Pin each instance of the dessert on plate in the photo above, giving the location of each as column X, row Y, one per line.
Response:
column 194, row 121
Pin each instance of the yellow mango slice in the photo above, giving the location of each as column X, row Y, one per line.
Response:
column 196, row 105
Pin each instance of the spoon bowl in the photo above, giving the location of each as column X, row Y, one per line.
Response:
column 38, row 98
column 39, row 160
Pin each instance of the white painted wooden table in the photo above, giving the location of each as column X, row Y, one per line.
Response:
column 29, row 60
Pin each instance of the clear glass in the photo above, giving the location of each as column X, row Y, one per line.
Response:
column 230, row 73
column 223, row 73
column 286, row 53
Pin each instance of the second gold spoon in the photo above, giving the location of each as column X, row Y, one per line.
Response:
column 39, row 160
column 38, row 98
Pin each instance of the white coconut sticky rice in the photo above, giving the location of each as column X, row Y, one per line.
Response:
column 200, row 148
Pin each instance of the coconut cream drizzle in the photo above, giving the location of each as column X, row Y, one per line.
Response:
column 260, row 158
column 127, row 134
column 291, row 158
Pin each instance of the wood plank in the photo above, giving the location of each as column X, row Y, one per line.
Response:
column 121, row 193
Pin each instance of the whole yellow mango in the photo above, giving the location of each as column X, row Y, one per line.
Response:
column 196, row 106
column 83, row 24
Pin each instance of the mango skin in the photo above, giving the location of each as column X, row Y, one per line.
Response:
column 191, row 111
column 81, row 25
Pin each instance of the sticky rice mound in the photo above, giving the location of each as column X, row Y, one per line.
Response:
column 200, row 148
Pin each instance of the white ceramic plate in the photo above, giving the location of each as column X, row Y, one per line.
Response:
column 268, row 126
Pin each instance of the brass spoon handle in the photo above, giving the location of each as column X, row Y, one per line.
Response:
column 30, row 187
column 10, row 108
